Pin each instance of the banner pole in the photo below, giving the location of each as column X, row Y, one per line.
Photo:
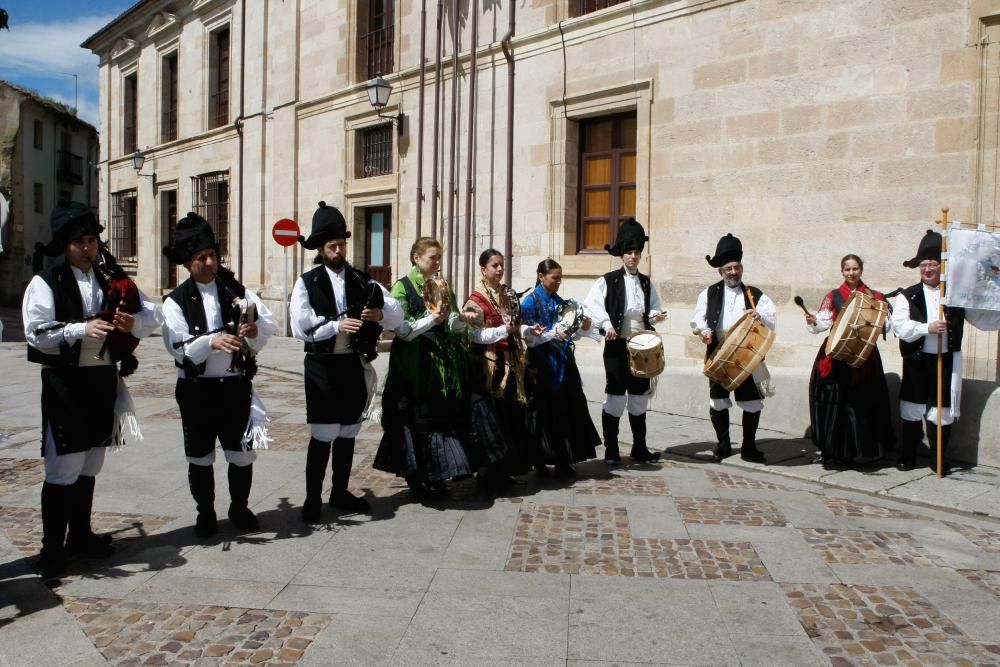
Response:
column 940, row 362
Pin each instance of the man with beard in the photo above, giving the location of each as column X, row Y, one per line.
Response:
column 621, row 303
column 202, row 331
column 65, row 332
column 339, row 312
column 717, row 310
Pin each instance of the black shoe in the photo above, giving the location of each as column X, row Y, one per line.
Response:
column 417, row 488
column 565, row 470
column 346, row 500
column 615, row 461
column 721, row 454
column 312, row 512
column 439, row 490
column 51, row 566
column 904, row 466
column 206, row 524
column 243, row 518
column 541, row 472
column 753, row 456
column 645, row 456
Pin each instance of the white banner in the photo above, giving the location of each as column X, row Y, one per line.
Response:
column 973, row 269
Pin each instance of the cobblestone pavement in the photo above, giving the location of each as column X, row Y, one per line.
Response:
column 681, row 562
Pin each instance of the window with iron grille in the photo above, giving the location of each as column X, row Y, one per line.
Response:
column 588, row 6
column 607, row 178
column 39, row 197
column 130, row 112
column 39, row 129
column 376, row 151
column 218, row 92
column 211, row 201
column 168, row 115
column 378, row 37
column 124, row 231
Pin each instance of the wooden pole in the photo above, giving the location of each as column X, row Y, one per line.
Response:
column 940, row 359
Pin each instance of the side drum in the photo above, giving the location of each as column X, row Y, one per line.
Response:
column 645, row 354
column 739, row 353
column 855, row 333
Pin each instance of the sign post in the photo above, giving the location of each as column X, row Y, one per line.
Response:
column 285, row 233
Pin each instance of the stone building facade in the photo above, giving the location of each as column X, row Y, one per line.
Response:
column 46, row 154
column 808, row 128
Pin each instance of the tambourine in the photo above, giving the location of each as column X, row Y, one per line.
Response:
column 570, row 317
column 437, row 295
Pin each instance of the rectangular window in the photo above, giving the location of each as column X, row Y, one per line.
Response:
column 218, row 72
column 39, row 129
column 130, row 111
column 588, row 6
column 168, row 99
column 39, row 196
column 124, row 229
column 607, row 178
column 378, row 37
column 211, row 201
column 375, row 145
column 168, row 221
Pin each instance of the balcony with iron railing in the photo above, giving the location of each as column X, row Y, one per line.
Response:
column 69, row 167
column 378, row 47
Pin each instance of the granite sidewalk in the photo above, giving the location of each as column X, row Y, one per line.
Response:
column 685, row 562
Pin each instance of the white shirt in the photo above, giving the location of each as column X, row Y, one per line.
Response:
column 200, row 350
column 303, row 317
column 38, row 310
column 910, row 330
column 733, row 307
column 634, row 304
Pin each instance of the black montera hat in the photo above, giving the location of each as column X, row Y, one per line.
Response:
column 327, row 223
column 929, row 248
column 631, row 236
column 728, row 249
column 71, row 220
column 193, row 233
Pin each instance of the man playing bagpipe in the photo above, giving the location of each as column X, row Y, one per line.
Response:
column 70, row 312
column 214, row 327
column 339, row 312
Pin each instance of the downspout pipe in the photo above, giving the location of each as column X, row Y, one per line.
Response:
column 420, row 116
column 508, row 245
column 437, row 120
column 239, row 130
column 451, row 250
column 469, row 157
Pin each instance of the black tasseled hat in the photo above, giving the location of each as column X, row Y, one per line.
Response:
column 631, row 236
column 327, row 223
column 70, row 220
column 729, row 249
column 193, row 233
column 929, row 248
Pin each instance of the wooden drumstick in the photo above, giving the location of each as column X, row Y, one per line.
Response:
column 802, row 304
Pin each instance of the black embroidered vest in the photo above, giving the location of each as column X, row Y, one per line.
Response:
column 955, row 317
column 615, row 300
column 188, row 298
column 69, row 308
column 713, row 313
column 359, row 294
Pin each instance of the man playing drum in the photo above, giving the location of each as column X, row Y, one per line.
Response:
column 621, row 303
column 916, row 322
column 718, row 309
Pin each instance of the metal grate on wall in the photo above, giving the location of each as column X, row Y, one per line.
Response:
column 587, row 6
column 376, row 151
column 211, row 201
column 124, row 234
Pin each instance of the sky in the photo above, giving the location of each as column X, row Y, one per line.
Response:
column 42, row 49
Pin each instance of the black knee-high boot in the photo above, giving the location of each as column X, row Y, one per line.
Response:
column 81, row 539
column 56, row 503
column 316, row 458
column 720, row 422
column 748, row 450
column 201, row 481
column 609, row 428
column 240, row 480
column 640, row 452
column 908, row 447
column 343, row 459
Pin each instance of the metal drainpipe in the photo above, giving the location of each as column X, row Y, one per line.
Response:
column 508, row 245
column 420, row 116
column 239, row 126
column 437, row 121
column 469, row 161
column 451, row 251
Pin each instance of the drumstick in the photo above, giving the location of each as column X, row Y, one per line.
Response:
column 802, row 304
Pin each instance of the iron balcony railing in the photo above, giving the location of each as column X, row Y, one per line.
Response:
column 69, row 167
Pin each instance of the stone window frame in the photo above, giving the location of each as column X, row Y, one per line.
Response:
column 358, row 53
column 354, row 127
column 130, row 140
column 213, row 116
column 565, row 116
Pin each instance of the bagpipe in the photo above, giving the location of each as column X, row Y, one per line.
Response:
column 365, row 341
column 121, row 293
column 244, row 360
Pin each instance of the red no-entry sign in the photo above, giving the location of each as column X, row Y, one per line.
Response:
column 285, row 232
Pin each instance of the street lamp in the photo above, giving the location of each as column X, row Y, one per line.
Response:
column 378, row 95
column 139, row 159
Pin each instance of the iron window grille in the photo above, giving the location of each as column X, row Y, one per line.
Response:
column 376, row 151
column 168, row 117
column 124, row 231
column 588, row 6
column 379, row 38
column 219, row 72
column 211, row 201
column 131, row 113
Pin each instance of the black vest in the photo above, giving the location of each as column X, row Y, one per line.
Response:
column 614, row 300
column 713, row 313
column 187, row 296
column 359, row 296
column 69, row 308
column 955, row 317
